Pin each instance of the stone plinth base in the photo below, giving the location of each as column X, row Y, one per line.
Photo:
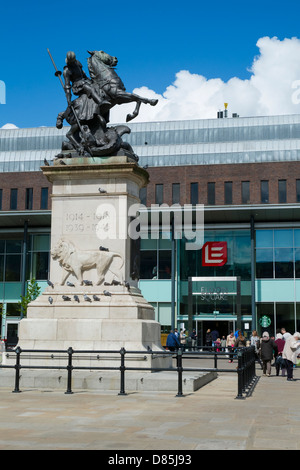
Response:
column 93, row 255
column 122, row 320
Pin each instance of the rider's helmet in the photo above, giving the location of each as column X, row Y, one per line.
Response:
column 71, row 57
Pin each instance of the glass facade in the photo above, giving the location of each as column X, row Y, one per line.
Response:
column 238, row 264
column 11, row 280
column 10, row 260
column 189, row 132
column 156, row 257
column 38, row 258
column 277, row 272
column 278, row 253
column 171, row 143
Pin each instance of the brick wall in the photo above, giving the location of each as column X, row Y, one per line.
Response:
column 253, row 172
column 21, row 181
column 185, row 175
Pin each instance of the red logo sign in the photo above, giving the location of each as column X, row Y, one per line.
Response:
column 214, row 254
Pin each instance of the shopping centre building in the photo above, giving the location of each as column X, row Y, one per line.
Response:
column 239, row 176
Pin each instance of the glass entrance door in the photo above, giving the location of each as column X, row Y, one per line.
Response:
column 223, row 327
column 214, row 299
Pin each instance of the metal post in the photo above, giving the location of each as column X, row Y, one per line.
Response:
column 240, row 376
column 179, row 370
column 253, row 309
column 190, row 305
column 173, row 286
column 17, row 367
column 216, row 360
column 122, row 372
column 69, row 369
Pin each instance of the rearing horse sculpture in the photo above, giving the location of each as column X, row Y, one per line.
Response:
column 88, row 114
column 102, row 72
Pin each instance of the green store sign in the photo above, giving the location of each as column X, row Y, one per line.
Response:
column 265, row 321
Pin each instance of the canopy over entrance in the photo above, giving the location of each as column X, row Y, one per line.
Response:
column 212, row 298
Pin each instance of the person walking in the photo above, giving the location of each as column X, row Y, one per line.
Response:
column 172, row 341
column 290, row 352
column 208, row 339
column 285, row 334
column 214, row 336
column 266, row 348
column 223, row 343
column 254, row 341
column 240, row 341
column 182, row 338
column 217, row 345
column 280, row 362
column 230, row 340
column 193, row 337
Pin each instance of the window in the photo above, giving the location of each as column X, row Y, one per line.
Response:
column 38, row 262
column 12, row 310
column 277, row 253
column 176, row 193
column 297, row 190
column 13, row 199
column 264, row 192
column 29, row 199
column 211, row 198
column 245, row 192
column 12, row 263
column 156, row 258
column 282, row 191
column 143, row 196
column 159, row 193
column 228, row 192
column 44, row 198
column 194, row 193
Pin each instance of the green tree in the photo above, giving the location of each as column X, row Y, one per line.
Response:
column 32, row 292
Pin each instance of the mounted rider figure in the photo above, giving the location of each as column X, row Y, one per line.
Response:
column 76, row 81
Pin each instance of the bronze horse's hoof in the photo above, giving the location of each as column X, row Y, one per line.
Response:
column 153, row 102
column 129, row 117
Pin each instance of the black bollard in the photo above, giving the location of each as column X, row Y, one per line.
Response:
column 122, row 372
column 179, row 370
column 69, row 369
column 17, row 367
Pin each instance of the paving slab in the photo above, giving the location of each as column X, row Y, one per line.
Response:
column 210, row 418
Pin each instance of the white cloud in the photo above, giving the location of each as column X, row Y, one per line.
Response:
column 9, row 126
column 268, row 91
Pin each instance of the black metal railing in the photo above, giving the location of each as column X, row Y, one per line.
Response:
column 245, row 369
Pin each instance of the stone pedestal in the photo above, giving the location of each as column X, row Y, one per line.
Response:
column 94, row 303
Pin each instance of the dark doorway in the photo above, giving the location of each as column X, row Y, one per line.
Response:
column 223, row 328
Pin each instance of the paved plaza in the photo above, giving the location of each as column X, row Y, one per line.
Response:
column 209, row 419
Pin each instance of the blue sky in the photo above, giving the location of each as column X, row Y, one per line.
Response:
column 153, row 42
